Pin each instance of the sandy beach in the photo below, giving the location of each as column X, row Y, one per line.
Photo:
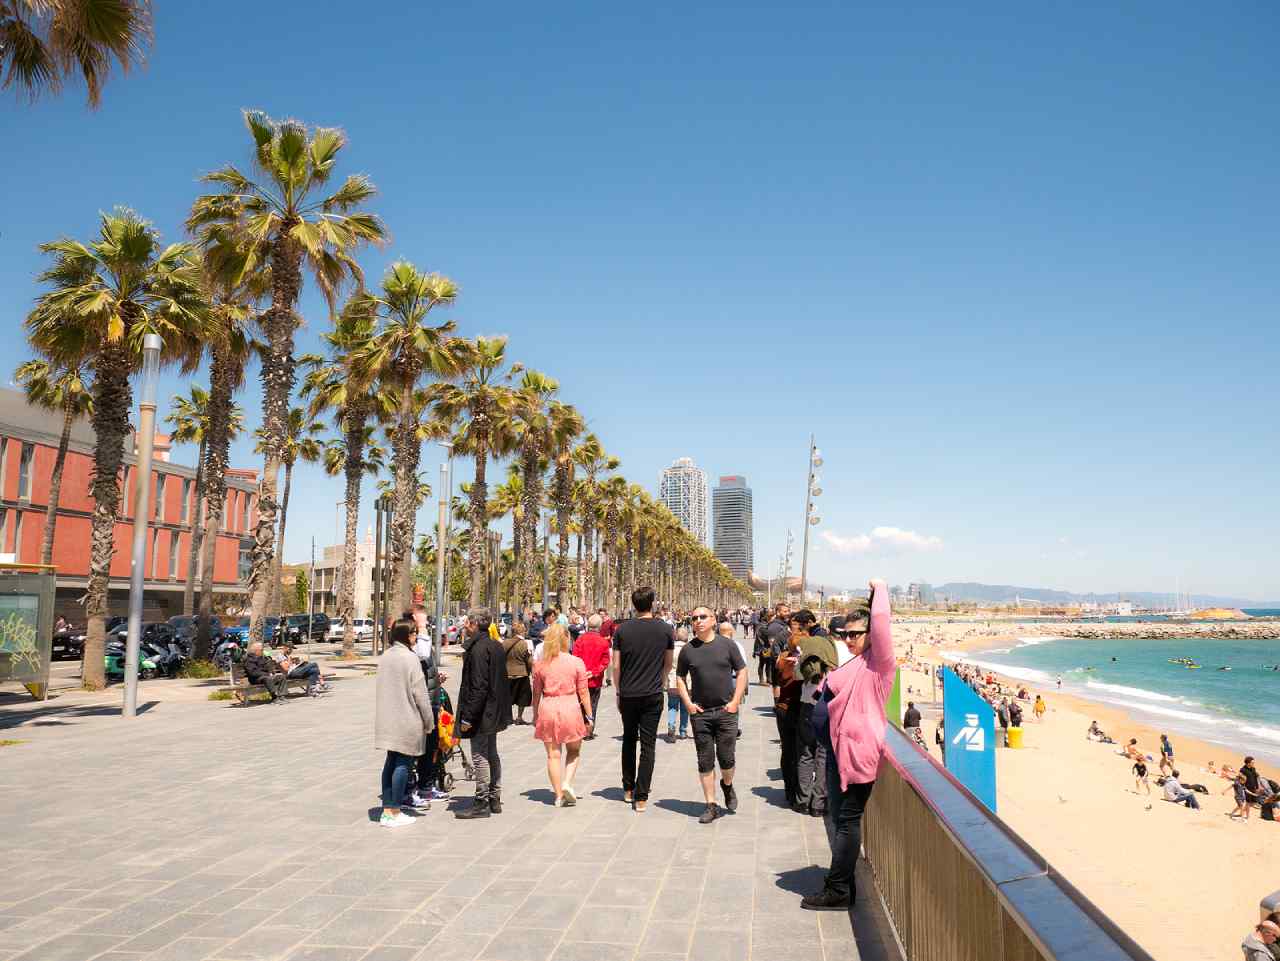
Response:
column 1182, row 883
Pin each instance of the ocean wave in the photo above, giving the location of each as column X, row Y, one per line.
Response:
column 1269, row 733
column 1020, row 673
column 1033, row 641
column 1173, row 712
column 1133, row 692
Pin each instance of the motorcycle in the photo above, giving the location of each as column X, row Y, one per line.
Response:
column 228, row 652
column 115, row 661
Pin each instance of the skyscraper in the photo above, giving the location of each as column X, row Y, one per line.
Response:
column 683, row 488
column 734, row 537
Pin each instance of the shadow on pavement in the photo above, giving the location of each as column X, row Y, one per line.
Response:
column 688, row 808
column 63, row 716
column 771, row 795
column 609, row 793
column 543, row 795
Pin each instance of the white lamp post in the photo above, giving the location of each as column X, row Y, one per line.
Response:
column 442, row 544
column 811, row 519
column 145, row 438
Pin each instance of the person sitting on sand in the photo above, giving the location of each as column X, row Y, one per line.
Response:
column 1175, row 792
column 1095, row 732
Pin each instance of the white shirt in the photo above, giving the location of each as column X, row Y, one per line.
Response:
column 1172, row 789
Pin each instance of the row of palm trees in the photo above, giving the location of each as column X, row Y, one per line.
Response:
column 229, row 294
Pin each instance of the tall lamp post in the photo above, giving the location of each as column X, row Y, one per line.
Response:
column 813, row 488
column 145, row 441
column 546, row 560
column 442, row 545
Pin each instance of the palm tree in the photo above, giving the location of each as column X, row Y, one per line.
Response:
column 590, row 456
column 301, row 442
column 406, row 350
column 187, row 420
column 65, row 388
column 532, row 412
column 509, row 499
column 481, row 406
column 566, row 426
column 42, row 42
column 287, row 221
column 103, row 298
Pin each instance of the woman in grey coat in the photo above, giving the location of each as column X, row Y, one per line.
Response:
column 402, row 719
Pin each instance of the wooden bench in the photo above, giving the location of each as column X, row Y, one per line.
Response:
column 239, row 684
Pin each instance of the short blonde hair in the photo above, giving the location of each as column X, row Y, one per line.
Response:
column 554, row 642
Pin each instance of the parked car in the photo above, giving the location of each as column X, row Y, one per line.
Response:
column 298, row 631
column 363, row 627
column 68, row 643
column 185, row 627
column 239, row 631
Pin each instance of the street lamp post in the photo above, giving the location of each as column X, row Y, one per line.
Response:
column 145, row 442
column 813, row 489
column 546, row 560
column 442, row 544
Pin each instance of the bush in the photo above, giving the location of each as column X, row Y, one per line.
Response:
column 200, row 670
column 221, row 695
column 9, row 742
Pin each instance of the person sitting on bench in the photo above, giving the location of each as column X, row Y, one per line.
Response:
column 296, row 669
column 260, row 669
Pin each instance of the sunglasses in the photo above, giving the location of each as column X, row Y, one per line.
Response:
column 851, row 633
column 699, row 617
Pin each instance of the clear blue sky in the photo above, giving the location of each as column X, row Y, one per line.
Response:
column 1016, row 268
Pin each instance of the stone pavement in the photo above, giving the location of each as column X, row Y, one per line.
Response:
column 201, row 831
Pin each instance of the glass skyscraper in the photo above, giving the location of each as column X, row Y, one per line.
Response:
column 734, row 538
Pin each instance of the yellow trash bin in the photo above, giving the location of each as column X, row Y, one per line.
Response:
column 1015, row 737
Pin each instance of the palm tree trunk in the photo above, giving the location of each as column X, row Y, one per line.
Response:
column 577, row 585
column 55, row 485
column 563, row 495
column 277, row 589
column 211, row 490
column 208, row 548
column 277, row 388
column 112, row 401
column 407, row 453
column 354, row 469
column 197, row 532
column 479, row 528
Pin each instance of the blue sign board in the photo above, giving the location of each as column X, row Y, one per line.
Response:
column 969, row 724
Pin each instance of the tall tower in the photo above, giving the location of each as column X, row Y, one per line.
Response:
column 683, row 488
column 734, row 533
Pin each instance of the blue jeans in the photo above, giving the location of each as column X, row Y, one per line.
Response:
column 844, row 829
column 674, row 702
column 395, row 778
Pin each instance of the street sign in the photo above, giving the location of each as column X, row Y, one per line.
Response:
column 970, row 727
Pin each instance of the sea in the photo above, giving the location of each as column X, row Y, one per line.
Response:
column 1237, row 708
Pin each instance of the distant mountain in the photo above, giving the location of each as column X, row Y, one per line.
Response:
column 1006, row 594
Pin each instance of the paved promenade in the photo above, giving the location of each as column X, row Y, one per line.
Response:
column 205, row 831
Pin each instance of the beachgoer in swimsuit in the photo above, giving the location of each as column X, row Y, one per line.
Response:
column 1166, row 753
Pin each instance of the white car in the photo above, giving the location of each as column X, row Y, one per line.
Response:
column 363, row 626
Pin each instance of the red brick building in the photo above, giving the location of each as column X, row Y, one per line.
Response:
column 28, row 448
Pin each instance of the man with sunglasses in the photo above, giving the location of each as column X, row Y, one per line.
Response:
column 711, row 677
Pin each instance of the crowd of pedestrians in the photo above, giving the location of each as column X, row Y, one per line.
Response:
column 829, row 687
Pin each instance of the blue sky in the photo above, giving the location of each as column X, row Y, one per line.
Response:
column 1015, row 268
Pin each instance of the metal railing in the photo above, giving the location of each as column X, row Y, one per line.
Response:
column 958, row 884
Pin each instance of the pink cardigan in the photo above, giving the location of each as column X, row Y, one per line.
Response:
column 856, row 710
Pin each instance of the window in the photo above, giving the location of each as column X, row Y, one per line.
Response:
column 17, row 535
column 4, row 463
column 228, row 512
column 24, row 471
column 4, row 527
column 173, row 554
column 185, row 516
column 151, row 557
column 245, row 566
column 247, row 504
column 158, row 513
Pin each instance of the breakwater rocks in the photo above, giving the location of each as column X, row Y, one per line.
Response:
column 1240, row 630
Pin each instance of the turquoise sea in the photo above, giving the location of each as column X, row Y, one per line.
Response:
column 1238, row 708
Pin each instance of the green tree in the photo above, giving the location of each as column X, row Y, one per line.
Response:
column 301, row 590
column 103, row 297
column 42, row 42
column 287, row 220
column 65, row 389
column 302, row 441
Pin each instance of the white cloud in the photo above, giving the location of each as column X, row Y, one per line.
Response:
column 883, row 539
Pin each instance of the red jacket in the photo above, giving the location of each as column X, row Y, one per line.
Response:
column 594, row 651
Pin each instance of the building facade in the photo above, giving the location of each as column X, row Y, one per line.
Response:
column 28, row 448
column 733, row 531
column 327, row 583
column 683, row 488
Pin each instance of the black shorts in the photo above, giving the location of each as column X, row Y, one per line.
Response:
column 715, row 735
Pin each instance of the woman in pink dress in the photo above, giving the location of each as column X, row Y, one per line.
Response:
column 561, row 710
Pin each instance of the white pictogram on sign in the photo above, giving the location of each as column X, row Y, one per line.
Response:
column 971, row 735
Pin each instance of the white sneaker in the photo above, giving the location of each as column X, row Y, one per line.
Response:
column 397, row 820
column 418, row 802
column 570, row 798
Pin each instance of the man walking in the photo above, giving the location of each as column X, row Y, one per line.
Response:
column 642, row 649
column 711, row 677
column 484, row 709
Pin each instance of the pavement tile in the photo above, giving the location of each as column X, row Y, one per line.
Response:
column 187, row 949
column 554, row 911
column 455, row 946
column 619, row 925
column 720, row 945
column 666, row 937
column 317, row 952
column 594, row 951
column 623, row 889
column 263, row 944
column 165, row 932
column 393, row 952
column 70, row 947
column 517, row 943
column 357, row 927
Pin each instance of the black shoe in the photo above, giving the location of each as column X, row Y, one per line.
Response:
column 478, row 809
column 826, row 900
column 495, row 805
column 730, row 797
column 799, row 808
column 818, row 813
column 710, row 814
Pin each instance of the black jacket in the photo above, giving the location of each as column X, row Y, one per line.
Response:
column 484, row 697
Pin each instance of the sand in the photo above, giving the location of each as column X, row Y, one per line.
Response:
column 1183, row 884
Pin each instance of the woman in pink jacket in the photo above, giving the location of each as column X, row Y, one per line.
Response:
column 854, row 696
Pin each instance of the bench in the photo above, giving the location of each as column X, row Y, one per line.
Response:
column 239, row 684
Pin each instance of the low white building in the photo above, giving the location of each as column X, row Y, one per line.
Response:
column 328, row 578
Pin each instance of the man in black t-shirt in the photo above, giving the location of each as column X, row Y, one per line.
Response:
column 711, row 677
column 642, row 649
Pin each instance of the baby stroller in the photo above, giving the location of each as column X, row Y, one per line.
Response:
column 454, row 749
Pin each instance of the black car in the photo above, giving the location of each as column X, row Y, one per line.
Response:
column 185, row 626
column 298, row 631
column 69, row 642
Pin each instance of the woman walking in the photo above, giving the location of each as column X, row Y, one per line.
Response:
column 674, row 703
column 561, row 711
column 402, row 719
column 519, row 666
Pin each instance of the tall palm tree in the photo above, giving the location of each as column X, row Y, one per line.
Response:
column 480, row 404
column 406, row 349
column 302, row 441
column 66, row 389
column 590, row 456
column 509, row 499
column 42, row 42
column 287, row 221
column 104, row 296
column 334, row 386
column 532, row 418
column 566, row 426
